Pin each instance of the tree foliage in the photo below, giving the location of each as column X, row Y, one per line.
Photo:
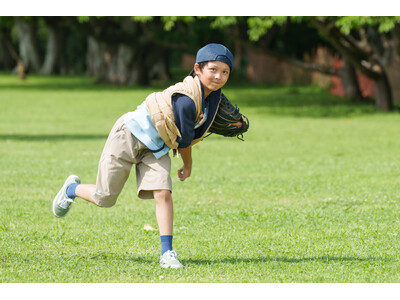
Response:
column 366, row 43
column 349, row 23
column 137, row 49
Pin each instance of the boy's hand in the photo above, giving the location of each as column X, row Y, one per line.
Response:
column 186, row 154
column 184, row 173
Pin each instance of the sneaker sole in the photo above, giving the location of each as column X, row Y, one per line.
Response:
column 166, row 266
column 68, row 181
column 171, row 267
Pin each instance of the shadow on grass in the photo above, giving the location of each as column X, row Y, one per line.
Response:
column 67, row 83
column 268, row 259
column 236, row 260
column 127, row 258
column 51, row 137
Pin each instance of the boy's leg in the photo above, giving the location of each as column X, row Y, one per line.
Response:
column 154, row 181
column 164, row 211
column 114, row 167
column 86, row 191
column 165, row 216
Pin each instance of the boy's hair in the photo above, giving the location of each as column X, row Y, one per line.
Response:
column 202, row 65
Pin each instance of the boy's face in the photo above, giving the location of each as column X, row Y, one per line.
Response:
column 213, row 76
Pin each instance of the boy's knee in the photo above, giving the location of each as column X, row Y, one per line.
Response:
column 103, row 200
column 106, row 204
column 162, row 195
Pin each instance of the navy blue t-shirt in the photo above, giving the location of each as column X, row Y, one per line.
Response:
column 185, row 116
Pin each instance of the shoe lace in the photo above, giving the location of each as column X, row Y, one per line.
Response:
column 65, row 202
column 171, row 254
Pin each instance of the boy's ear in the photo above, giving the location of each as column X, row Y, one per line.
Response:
column 196, row 68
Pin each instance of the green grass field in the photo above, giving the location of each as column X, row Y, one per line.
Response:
column 312, row 195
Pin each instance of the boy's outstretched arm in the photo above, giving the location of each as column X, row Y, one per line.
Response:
column 186, row 154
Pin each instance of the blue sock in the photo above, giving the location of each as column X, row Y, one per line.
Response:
column 166, row 243
column 71, row 190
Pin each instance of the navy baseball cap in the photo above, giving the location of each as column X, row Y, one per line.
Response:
column 212, row 52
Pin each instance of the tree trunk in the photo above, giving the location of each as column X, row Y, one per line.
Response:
column 6, row 60
column 116, row 64
column 19, row 69
column 110, row 62
column 28, row 45
column 396, row 39
column 373, row 66
column 122, row 64
column 239, row 60
column 350, row 81
column 383, row 93
column 124, row 57
column 52, row 52
column 125, row 52
column 157, row 63
column 94, row 57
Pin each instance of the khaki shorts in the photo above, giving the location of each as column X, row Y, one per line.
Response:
column 121, row 151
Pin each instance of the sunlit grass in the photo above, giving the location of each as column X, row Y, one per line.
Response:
column 310, row 196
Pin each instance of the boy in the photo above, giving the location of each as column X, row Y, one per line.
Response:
column 175, row 118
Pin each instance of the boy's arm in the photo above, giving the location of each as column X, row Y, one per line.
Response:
column 186, row 154
column 185, row 118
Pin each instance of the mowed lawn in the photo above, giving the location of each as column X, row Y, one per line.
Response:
column 312, row 195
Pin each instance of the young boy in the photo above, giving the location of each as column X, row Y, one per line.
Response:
column 175, row 118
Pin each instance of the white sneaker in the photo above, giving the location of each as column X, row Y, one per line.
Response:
column 169, row 260
column 61, row 203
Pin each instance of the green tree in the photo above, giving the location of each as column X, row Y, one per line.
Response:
column 45, row 45
column 128, row 50
column 366, row 43
column 284, row 38
column 136, row 50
